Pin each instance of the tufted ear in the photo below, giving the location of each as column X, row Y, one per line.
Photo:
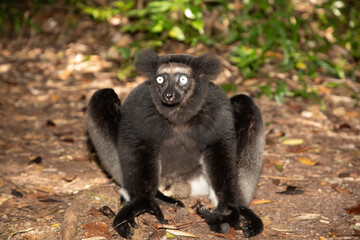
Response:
column 207, row 66
column 147, row 62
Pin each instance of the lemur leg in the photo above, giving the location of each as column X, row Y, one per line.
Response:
column 249, row 150
column 250, row 147
column 141, row 178
column 220, row 168
column 104, row 124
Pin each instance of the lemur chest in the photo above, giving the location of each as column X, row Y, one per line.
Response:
column 179, row 155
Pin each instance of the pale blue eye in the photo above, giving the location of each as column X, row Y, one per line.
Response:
column 183, row 80
column 160, row 79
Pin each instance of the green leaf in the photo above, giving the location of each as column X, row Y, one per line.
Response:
column 177, row 33
column 157, row 27
column 267, row 91
column 269, row 123
column 159, row 7
column 153, row 44
column 334, row 84
column 169, row 235
column 124, row 72
column 230, row 87
column 300, row 65
column 86, row 58
column 193, row 12
column 198, row 24
column 281, row 91
column 125, row 52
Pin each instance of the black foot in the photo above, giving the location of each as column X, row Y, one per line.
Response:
column 124, row 228
column 124, row 221
column 251, row 223
column 219, row 220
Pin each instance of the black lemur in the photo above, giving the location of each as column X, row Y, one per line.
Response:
column 179, row 125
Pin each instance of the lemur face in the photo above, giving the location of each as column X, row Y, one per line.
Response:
column 173, row 82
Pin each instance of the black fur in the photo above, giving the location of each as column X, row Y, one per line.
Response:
column 145, row 139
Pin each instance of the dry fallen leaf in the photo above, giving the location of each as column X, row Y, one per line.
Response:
column 354, row 114
column 69, row 179
column 230, row 235
column 180, row 233
column 292, row 141
column 280, row 229
column 297, row 149
column 107, row 211
column 356, row 228
column 323, row 89
column 307, row 161
column 97, row 228
column 165, row 226
column 353, row 210
column 308, row 216
column 35, row 196
column 94, row 212
column 266, row 221
column 279, row 165
column 262, row 201
column 54, row 98
column 34, row 169
column 341, row 190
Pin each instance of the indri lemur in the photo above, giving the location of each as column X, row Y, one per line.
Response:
column 179, row 125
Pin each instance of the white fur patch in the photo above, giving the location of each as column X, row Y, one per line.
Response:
column 125, row 194
column 174, row 68
column 213, row 197
column 199, row 186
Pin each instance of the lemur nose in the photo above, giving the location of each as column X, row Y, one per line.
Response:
column 169, row 96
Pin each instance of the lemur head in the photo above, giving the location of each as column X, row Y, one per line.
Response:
column 177, row 77
column 178, row 84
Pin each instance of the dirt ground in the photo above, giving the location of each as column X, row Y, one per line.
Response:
column 52, row 188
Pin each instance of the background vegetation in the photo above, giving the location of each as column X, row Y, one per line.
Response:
column 306, row 38
column 54, row 54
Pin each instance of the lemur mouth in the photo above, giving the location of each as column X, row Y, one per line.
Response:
column 170, row 99
column 170, row 103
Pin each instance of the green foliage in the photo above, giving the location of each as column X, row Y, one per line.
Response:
column 104, row 13
column 277, row 27
column 257, row 33
column 277, row 93
column 269, row 31
column 229, row 87
column 341, row 19
column 13, row 18
column 179, row 19
column 273, row 27
column 264, row 32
